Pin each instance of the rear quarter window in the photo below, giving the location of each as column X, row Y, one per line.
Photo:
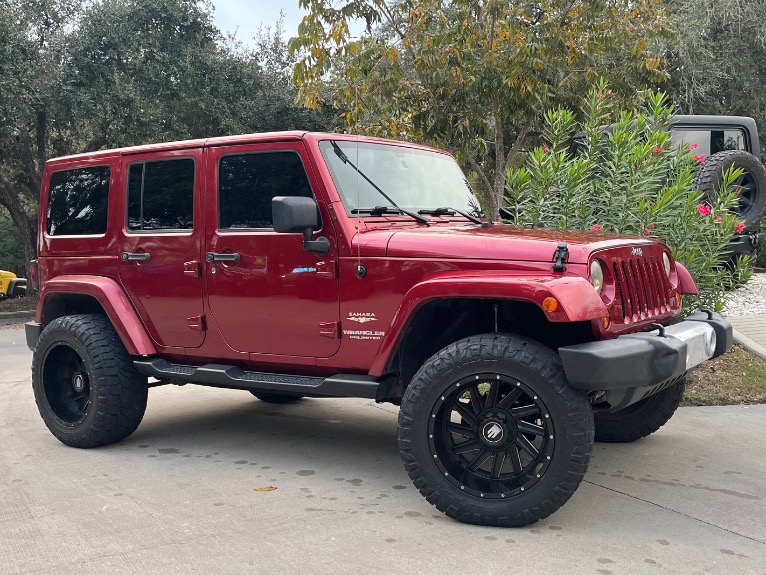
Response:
column 77, row 203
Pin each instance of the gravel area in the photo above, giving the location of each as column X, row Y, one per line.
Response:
column 750, row 299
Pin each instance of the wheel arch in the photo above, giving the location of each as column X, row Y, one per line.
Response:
column 68, row 295
column 424, row 325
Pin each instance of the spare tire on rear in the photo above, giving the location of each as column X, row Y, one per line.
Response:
column 752, row 184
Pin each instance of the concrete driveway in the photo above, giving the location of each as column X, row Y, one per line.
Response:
column 185, row 494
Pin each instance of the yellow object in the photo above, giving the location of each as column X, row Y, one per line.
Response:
column 5, row 282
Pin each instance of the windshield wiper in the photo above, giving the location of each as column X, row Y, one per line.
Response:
column 381, row 210
column 452, row 212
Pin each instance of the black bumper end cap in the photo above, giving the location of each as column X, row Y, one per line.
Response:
column 32, row 330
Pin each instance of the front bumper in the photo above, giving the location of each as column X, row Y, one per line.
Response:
column 631, row 367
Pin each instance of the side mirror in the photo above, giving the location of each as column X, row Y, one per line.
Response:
column 297, row 214
column 293, row 214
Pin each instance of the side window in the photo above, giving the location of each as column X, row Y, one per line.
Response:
column 77, row 204
column 161, row 195
column 248, row 182
column 709, row 141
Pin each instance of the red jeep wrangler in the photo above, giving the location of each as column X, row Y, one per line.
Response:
column 297, row 264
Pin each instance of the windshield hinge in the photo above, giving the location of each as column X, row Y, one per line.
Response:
column 560, row 256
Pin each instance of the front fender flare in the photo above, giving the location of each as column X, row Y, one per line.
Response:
column 112, row 298
column 577, row 300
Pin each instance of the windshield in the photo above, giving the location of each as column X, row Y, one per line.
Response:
column 368, row 175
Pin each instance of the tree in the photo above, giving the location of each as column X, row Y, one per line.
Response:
column 78, row 76
column 473, row 76
column 718, row 62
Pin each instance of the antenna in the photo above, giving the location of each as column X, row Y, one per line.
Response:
column 361, row 271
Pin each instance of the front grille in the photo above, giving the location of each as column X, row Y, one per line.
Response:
column 643, row 289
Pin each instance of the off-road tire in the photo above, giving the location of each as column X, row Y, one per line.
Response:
column 710, row 177
column 273, row 397
column 115, row 393
column 563, row 412
column 640, row 419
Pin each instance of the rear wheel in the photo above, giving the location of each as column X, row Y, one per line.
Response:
column 273, row 397
column 640, row 419
column 491, row 433
column 85, row 386
column 751, row 184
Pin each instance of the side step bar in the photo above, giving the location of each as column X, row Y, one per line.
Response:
column 229, row 376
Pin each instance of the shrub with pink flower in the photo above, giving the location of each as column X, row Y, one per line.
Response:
column 635, row 176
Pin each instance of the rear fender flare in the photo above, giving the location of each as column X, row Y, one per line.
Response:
column 112, row 298
column 577, row 300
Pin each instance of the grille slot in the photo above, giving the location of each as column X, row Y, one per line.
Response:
column 643, row 289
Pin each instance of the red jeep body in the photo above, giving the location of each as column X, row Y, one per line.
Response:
column 354, row 305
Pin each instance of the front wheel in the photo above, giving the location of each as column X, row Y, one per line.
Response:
column 640, row 419
column 491, row 433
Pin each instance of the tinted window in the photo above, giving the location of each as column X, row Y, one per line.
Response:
column 77, row 202
column 710, row 141
column 248, row 182
column 161, row 195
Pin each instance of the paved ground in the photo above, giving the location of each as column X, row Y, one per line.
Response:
column 182, row 495
column 750, row 331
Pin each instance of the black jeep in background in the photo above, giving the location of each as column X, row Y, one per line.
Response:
column 727, row 141
column 724, row 141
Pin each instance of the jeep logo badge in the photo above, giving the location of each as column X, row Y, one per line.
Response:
column 637, row 252
column 493, row 433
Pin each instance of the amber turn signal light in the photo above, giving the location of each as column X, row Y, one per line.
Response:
column 677, row 301
column 550, row 304
column 606, row 322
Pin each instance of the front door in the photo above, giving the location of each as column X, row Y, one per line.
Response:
column 161, row 245
column 265, row 293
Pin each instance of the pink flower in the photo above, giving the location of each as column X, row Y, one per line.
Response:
column 600, row 95
column 699, row 158
column 703, row 210
column 647, row 232
column 692, row 146
column 651, row 226
column 610, row 94
column 740, row 227
column 719, row 218
column 546, row 149
column 657, row 150
column 596, row 228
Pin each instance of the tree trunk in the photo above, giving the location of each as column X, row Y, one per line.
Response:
column 25, row 224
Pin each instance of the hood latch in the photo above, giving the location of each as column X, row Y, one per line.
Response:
column 561, row 256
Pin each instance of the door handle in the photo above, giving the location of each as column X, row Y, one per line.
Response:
column 214, row 257
column 135, row 257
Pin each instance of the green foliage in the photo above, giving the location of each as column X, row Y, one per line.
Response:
column 11, row 248
column 632, row 181
column 80, row 75
column 472, row 76
column 717, row 62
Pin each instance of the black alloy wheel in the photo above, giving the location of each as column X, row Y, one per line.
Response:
column 66, row 384
column 491, row 432
column 492, row 436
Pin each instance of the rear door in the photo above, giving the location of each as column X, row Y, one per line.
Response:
column 161, row 244
column 267, row 294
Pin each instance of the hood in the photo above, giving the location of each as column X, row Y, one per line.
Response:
column 498, row 242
